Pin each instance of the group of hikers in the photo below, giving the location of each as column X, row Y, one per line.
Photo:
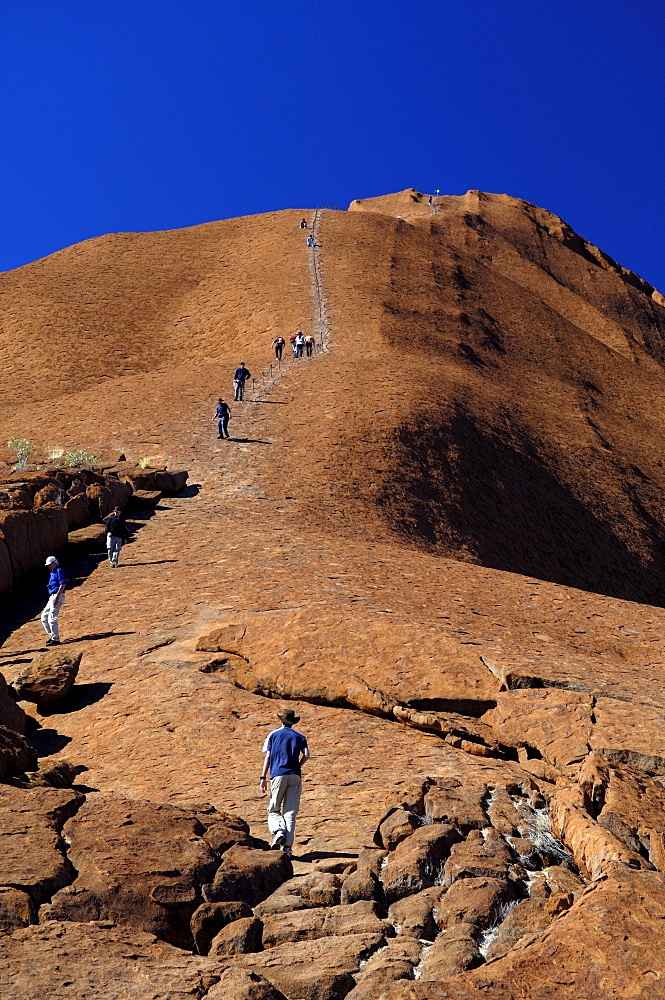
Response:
column 300, row 343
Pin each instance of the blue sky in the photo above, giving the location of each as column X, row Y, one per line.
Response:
column 156, row 114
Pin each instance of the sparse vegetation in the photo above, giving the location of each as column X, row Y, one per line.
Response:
column 80, row 459
column 54, row 452
column 22, row 448
column 144, row 462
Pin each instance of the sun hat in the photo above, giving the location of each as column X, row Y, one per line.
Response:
column 50, row 561
column 288, row 716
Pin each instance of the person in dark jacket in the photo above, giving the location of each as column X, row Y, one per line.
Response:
column 240, row 377
column 222, row 416
column 116, row 534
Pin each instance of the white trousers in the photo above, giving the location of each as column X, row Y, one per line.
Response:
column 50, row 616
column 113, row 544
column 283, row 806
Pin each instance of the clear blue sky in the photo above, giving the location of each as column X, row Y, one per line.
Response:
column 156, row 114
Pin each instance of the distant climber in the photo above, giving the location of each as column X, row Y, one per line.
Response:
column 309, row 344
column 437, row 193
column 56, row 586
column 239, row 379
column 303, row 223
column 299, row 344
column 310, row 241
column 222, row 416
column 294, row 346
column 285, row 750
column 429, row 200
column 116, row 535
column 278, row 344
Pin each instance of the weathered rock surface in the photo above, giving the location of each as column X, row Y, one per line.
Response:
column 248, row 875
column 33, row 856
column 16, row 910
column 302, row 893
column 418, row 861
column 396, row 961
column 138, row 863
column 16, row 754
column 236, row 984
column 106, row 962
column 12, row 715
column 209, row 919
column 238, row 937
column 323, row 969
column 49, row 677
column 307, row 925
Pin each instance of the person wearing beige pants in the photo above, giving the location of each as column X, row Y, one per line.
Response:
column 285, row 750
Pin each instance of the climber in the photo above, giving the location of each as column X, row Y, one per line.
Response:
column 309, row 344
column 222, row 416
column 303, row 223
column 299, row 344
column 285, row 750
column 278, row 344
column 310, row 241
column 116, row 534
column 239, row 379
column 56, row 586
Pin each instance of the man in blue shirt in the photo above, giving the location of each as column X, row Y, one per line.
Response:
column 57, row 583
column 285, row 751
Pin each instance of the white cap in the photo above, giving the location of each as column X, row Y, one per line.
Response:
column 50, row 561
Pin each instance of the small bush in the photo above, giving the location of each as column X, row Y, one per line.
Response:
column 80, row 459
column 54, row 452
column 22, row 448
column 144, row 463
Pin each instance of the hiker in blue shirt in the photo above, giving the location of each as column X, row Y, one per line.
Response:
column 285, row 751
column 239, row 379
column 57, row 583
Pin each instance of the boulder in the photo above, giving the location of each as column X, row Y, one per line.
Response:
column 502, row 812
column 475, row 901
column 323, row 969
column 33, row 857
column 302, row 893
column 396, row 827
column 240, row 937
column 88, row 539
column 417, row 862
column 52, row 493
column 48, row 677
column 227, row 639
column 12, row 715
column 78, row 511
column 55, row 774
column 454, row 951
column 413, row 916
column 361, row 884
column 16, row 754
column 478, row 857
column 306, row 925
column 138, row 863
column 161, row 480
column 209, row 919
column 101, row 501
column 16, row 909
column 237, row 984
column 249, row 875
column 140, row 499
column 223, row 830
column 458, row 805
column 388, row 965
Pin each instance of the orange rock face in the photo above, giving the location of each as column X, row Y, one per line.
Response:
column 439, row 540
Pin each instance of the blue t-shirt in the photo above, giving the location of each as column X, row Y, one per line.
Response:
column 285, row 746
column 55, row 580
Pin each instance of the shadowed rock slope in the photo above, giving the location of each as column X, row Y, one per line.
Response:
column 389, row 544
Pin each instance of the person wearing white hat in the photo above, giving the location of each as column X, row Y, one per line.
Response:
column 285, row 751
column 57, row 582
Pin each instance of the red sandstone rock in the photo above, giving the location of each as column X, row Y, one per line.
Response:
column 248, row 875
column 239, row 937
column 16, row 909
column 12, row 715
column 306, row 925
column 302, row 893
column 33, row 855
column 417, row 862
column 138, row 863
column 209, row 919
column 48, row 677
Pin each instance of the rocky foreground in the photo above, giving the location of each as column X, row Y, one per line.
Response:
column 484, row 812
